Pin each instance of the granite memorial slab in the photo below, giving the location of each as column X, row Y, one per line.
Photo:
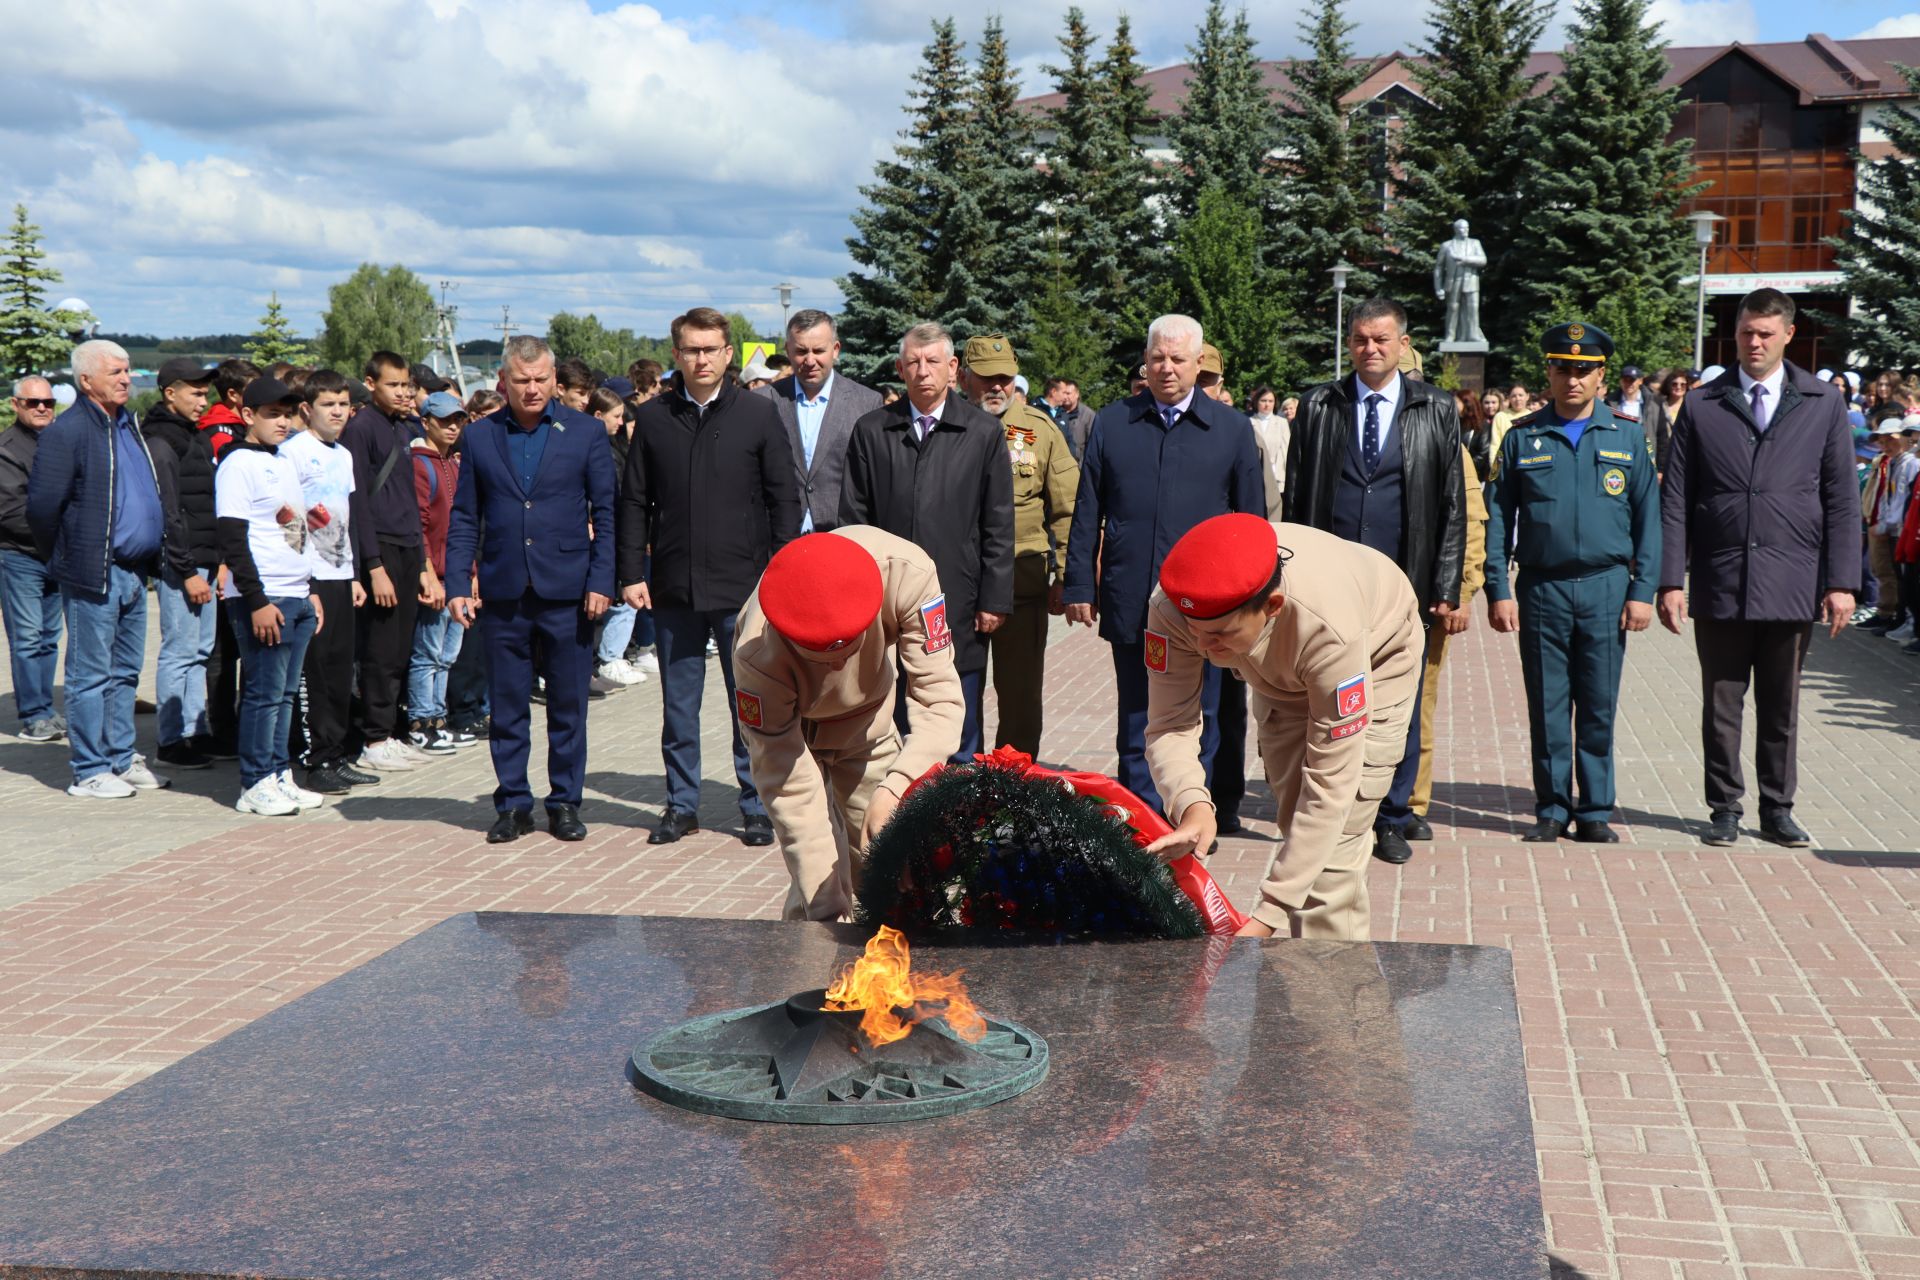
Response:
column 464, row 1106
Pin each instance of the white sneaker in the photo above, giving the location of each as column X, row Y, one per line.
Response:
column 141, row 778
column 293, row 791
column 411, row 752
column 101, row 786
column 649, row 663
column 266, row 799
column 621, row 672
column 600, row 684
column 384, row 757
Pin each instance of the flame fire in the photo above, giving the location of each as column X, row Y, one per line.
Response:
column 882, row 985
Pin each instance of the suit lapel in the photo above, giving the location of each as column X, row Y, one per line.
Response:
column 790, row 418
column 556, row 437
column 499, row 435
column 835, row 425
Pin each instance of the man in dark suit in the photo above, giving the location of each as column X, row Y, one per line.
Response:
column 1156, row 465
column 1761, row 508
column 537, row 477
column 1376, row 459
column 818, row 407
column 709, row 490
column 932, row 469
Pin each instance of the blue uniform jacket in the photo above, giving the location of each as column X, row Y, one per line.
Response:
column 1142, row 486
column 1578, row 509
column 536, row 541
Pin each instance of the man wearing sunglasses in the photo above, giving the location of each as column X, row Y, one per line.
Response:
column 1577, row 487
column 29, row 598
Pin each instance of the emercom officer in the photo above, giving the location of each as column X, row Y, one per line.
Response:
column 1578, row 487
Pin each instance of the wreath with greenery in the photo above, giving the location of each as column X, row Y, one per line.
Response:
column 993, row 846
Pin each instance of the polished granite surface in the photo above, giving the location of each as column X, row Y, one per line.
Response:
column 459, row 1108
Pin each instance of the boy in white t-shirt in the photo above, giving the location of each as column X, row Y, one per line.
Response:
column 321, row 723
column 263, row 523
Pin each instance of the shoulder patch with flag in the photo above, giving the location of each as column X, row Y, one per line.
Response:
column 1350, row 696
column 749, row 706
column 934, row 614
column 1156, row 652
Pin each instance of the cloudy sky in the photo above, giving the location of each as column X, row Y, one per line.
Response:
column 185, row 158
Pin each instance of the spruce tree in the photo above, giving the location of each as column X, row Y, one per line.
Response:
column 273, row 341
column 1879, row 251
column 1226, row 126
column 1007, row 189
column 32, row 338
column 1605, row 186
column 1329, row 207
column 1464, row 157
column 1217, row 281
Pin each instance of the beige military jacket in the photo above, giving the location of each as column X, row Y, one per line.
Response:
column 1348, row 638
column 1045, row 480
column 785, row 697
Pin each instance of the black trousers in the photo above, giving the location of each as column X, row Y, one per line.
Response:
column 1228, row 781
column 1768, row 656
column 467, row 684
column 223, row 676
column 386, row 644
column 322, row 714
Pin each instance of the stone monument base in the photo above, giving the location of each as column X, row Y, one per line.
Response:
column 1470, row 362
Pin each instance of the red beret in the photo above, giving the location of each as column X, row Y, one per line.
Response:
column 821, row 591
column 1220, row 565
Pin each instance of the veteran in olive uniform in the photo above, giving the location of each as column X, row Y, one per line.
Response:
column 1328, row 635
column 1045, row 478
column 815, row 651
column 1576, row 487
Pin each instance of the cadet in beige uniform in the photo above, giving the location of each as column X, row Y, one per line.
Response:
column 1045, row 479
column 814, row 655
column 1328, row 639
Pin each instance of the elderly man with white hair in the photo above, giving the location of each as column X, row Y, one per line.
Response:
column 98, row 515
column 1156, row 464
column 29, row 598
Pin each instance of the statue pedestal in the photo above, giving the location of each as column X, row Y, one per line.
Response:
column 1470, row 360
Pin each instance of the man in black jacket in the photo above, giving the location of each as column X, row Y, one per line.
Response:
column 29, row 595
column 1376, row 459
column 932, row 469
column 710, row 491
column 188, row 614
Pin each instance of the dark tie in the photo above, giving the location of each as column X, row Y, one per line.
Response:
column 1370, row 437
column 1759, row 402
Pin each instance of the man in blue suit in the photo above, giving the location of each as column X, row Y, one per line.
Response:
column 536, row 482
column 1156, row 465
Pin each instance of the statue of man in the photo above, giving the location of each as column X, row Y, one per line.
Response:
column 1456, row 278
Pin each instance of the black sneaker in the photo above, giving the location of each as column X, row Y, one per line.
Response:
column 182, row 755
column 214, row 746
column 327, row 781
column 477, row 729
column 353, row 777
column 425, row 737
column 1723, row 830
column 1882, row 622
column 458, row 737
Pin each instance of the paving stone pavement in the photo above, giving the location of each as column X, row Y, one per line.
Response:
column 1723, row 1045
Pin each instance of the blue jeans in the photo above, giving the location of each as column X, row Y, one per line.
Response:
column 683, row 679
column 31, row 602
column 436, row 643
column 270, row 685
column 106, row 645
column 186, row 646
column 616, row 629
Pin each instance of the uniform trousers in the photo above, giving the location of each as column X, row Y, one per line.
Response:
column 683, row 637
column 1422, row 798
column 386, row 643
column 1768, row 656
column 1571, row 651
column 1018, row 651
column 558, row 635
column 321, row 718
column 820, row 809
column 1130, row 738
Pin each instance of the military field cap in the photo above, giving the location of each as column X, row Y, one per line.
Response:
column 990, row 353
column 1219, row 565
column 1410, row 361
column 821, row 591
column 1576, row 341
column 1210, row 360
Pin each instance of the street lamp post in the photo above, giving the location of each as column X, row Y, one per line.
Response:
column 786, row 303
column 1703, row 225
column 1339, row 273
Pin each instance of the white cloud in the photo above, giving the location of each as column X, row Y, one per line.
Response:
column 1902, row 24
column 1698, row 22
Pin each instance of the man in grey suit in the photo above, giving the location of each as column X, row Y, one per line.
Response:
column 818, row 408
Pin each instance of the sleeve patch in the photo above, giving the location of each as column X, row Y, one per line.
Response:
column 1156, row 652
column 749, row 708
column 934, row 614
column 1350, row 696
column 1346, row 730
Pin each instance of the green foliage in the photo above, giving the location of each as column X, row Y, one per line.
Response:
column 1605, row 188
column 144, row 402
column 1006, row 190
column 375, row 310
column 32, row 339
column 610, row 349
column 740, row 332
column 1226, row 126
column 274, row 340
column 985, row 847
column 1061, row 342
column 1879, row 251
column 1465, row 156
column 1216, row 279
column 1638, row 316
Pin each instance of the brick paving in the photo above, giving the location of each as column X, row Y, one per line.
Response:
column 1722, row 1044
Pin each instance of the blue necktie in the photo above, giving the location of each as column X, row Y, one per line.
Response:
column 1170, row 412
column 1758, row 400
column 1370, row 438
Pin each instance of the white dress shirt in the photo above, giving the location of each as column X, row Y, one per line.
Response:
column 1389, row 405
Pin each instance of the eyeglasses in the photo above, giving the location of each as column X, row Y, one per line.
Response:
column 25, row 403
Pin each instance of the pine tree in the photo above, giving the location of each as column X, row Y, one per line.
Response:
column 32, row 339
column 1464, row 157
column 1879, row 251
column 274, row 340
column 1605, row 187
column 1330, row 209
column 1007, row 189
column 1226, row 127
column 1217, row 281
